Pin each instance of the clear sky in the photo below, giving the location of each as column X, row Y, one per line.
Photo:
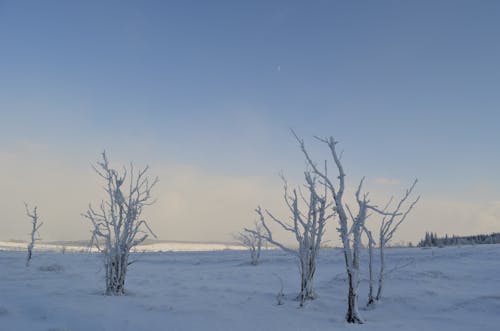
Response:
column 206, row 91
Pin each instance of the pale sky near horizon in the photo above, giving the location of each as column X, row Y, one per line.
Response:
column 205, row 92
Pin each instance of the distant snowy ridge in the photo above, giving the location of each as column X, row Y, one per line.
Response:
column 159, row 246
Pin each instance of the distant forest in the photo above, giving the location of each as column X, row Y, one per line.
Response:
column 432, row 240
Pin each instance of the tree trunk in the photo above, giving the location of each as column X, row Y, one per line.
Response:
column 371, row 300
column 306, row 282
column 115, row 274
column 381, row 273
column 28, row 257
column 352, row 315
column 254, row 256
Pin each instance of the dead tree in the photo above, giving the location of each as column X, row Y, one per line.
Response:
column 33, row 215
column 252, row 241
column 117, row 226
column 390, row 223
column 308, row 226
column 350, row 231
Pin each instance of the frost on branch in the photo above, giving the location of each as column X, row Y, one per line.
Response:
column 350, row 228
column 307, row 225
column 390, row 223
column 35, row 221
column 253, row 241
column 117, row 226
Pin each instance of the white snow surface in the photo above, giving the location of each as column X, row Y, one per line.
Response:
column 453, row 288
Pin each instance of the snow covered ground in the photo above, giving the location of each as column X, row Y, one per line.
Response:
column 455, row 288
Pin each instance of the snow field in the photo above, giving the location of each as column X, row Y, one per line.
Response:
column 453, row 288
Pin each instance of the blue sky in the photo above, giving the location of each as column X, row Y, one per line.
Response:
column 411, row 89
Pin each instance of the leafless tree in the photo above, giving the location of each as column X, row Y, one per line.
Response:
column 35, row 235
column 350, row 228
column 117, row 226
column 354, row 235
column 308, row 226
column 252, row 241
column 390, row 223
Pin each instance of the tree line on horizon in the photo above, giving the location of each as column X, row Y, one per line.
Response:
column 433, row 240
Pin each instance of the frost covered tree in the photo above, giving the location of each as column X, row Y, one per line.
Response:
column 371, row 243
column 350, row 228
column 307, row 225
column 388, row 226
column 252, row 241
column 34, row 235
column 117, row 223
column 353, row 235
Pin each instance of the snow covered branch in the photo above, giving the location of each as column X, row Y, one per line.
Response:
column 117, row 226
column 253, row 241
column 35, row 222
column 308, row 226
column 350, row 231
column 388, row 226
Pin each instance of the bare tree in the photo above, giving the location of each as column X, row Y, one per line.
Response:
column 308, row 226
column 117, row 226
column 252, row 241
column 35, row 235
column 350, row 231
column 390, row 223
